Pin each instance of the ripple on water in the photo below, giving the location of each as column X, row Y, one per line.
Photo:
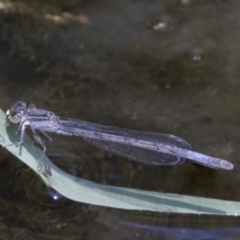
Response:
column 32, row 205
column 195, row 55
column 184, row 2
column 160, row 24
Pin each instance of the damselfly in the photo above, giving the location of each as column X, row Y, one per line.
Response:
column 146, row 147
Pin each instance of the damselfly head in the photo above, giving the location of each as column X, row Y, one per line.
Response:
column 14, row 114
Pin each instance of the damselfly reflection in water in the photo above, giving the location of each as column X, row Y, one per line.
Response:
column 145, row 147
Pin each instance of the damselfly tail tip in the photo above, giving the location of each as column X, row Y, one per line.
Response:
column 228, row 165
column 223, row 164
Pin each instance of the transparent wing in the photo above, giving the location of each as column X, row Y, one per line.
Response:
column 137, row 154
column 128, row 151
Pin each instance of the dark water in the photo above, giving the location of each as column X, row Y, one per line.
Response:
column 161, row 66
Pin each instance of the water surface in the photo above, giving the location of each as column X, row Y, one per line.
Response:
column 161, row 66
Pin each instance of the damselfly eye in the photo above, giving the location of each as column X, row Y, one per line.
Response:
column 19, row 106
column 14, row 118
